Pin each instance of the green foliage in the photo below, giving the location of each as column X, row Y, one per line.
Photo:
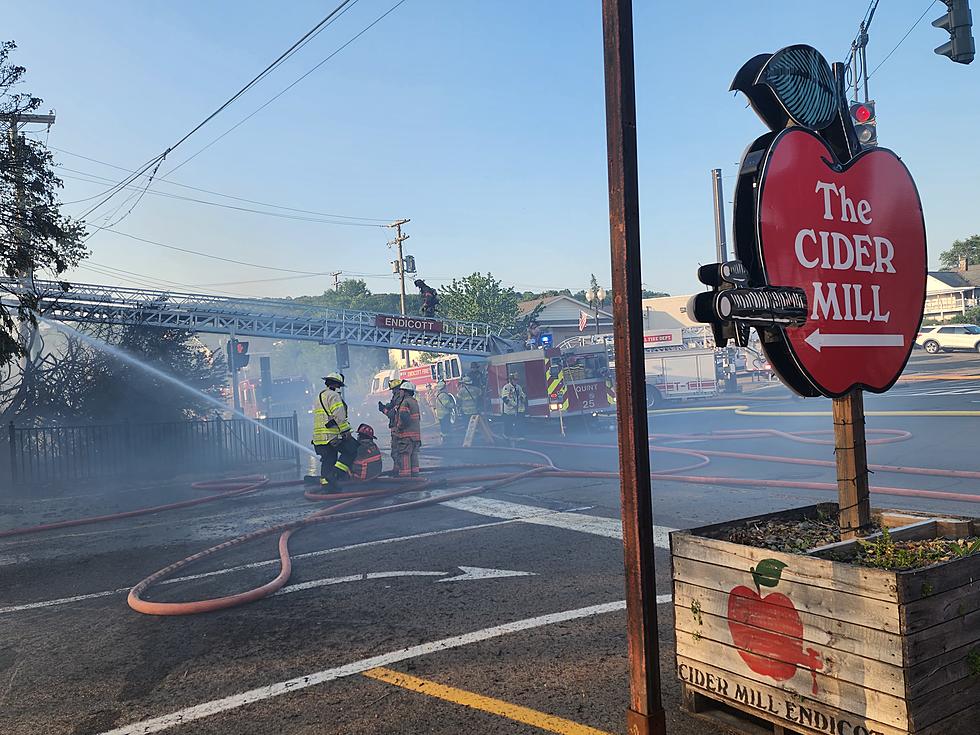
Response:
column 969, row 248
column 353, row 293
column 973, row 662
column 481, row 298
column 887, row 553
column 35, row 237
column 969, row 316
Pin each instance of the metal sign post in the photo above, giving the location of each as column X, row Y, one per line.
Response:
column 646, row 713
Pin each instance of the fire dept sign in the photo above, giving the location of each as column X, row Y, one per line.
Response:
column 818, row 214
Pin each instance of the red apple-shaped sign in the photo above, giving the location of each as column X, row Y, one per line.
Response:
column 852, row 236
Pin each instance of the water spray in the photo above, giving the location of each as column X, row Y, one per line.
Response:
column 128, row 358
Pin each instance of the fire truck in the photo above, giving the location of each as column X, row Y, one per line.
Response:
column 559, row 383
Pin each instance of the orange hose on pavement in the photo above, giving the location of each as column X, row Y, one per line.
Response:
column 345, row 510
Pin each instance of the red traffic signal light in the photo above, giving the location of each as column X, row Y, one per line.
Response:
column 865, row 124
column 861, row 113
column 238, row 356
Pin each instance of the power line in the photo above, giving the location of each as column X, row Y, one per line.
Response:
column 282, row 57
column 220, row 194
column 280, row 94
column 208, row 255
column 907, row 34
column 94, row 180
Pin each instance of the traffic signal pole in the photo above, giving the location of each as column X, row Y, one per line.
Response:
column 233, row 367
column 645, row 715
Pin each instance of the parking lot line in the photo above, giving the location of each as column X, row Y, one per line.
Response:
column 515, row 712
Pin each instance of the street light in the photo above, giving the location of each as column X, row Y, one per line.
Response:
column 595, row 297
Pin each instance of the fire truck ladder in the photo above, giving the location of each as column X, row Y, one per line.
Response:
column 273, row 318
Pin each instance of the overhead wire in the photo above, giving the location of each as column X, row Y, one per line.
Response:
column 94, row 179
column 220, row 194
column 268, row 69
column 209, row 255
column 297, row 81
column 902, row 40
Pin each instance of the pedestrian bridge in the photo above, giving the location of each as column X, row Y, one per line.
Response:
column 85, row 303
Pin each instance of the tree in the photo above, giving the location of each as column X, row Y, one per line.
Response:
column 968, row 248
column 480, row 298
column 35, row 238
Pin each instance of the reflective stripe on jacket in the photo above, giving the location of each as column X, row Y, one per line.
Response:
column 444, row 404
column 329, row 416
column 407, row 422
column 468, row 400
column 514, row 399
column 367, row 466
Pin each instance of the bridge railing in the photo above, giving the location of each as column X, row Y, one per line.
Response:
column 53, row 456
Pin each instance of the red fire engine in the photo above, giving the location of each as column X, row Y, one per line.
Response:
column 559, row 383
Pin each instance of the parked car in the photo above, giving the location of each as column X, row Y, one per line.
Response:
column 949, row 337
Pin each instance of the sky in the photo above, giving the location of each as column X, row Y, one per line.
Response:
column 482, row 122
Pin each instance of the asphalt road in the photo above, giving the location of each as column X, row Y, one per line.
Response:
column 445, row 619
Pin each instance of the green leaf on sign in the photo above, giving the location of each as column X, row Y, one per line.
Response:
column 767, row 572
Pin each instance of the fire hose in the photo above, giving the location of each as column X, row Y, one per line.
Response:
column 385, row 487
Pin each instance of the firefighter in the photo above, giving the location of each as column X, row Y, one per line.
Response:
column 332, row 438
column 430, row 299
column 367, row 466
column 406, row 435
column 468, row 402
column 390, row 409
column 514, row 405
column 444, row 407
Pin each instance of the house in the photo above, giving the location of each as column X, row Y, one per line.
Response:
column 951, row 293
column 667, row 312
column 560, row 316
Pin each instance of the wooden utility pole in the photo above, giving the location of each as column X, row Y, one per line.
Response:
column 399, row 239
column 645, row 715
column 851, row 451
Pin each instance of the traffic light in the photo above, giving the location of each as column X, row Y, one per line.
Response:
column 865, row 123
column 343, row 355
column 958, row 22
column 238, row 356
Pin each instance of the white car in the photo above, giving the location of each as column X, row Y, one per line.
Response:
column 949, row 337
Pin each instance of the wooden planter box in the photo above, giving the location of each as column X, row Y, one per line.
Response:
column 831, row 648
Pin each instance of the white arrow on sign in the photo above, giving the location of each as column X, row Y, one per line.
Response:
column 469, row 573
column 818, row 341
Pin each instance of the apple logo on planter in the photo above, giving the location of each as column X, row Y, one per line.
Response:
column 815, row 210
column 767, row 630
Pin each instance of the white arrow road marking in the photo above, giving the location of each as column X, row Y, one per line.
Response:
column 234, row 701
column 482, row 573
column 468, row 574
column 818, row 341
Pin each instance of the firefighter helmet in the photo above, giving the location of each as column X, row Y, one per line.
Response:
column 365, row 430
column 395, row 383
column 337, row 378
column 407, row 385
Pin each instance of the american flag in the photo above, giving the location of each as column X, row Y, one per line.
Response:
column 583, row 320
